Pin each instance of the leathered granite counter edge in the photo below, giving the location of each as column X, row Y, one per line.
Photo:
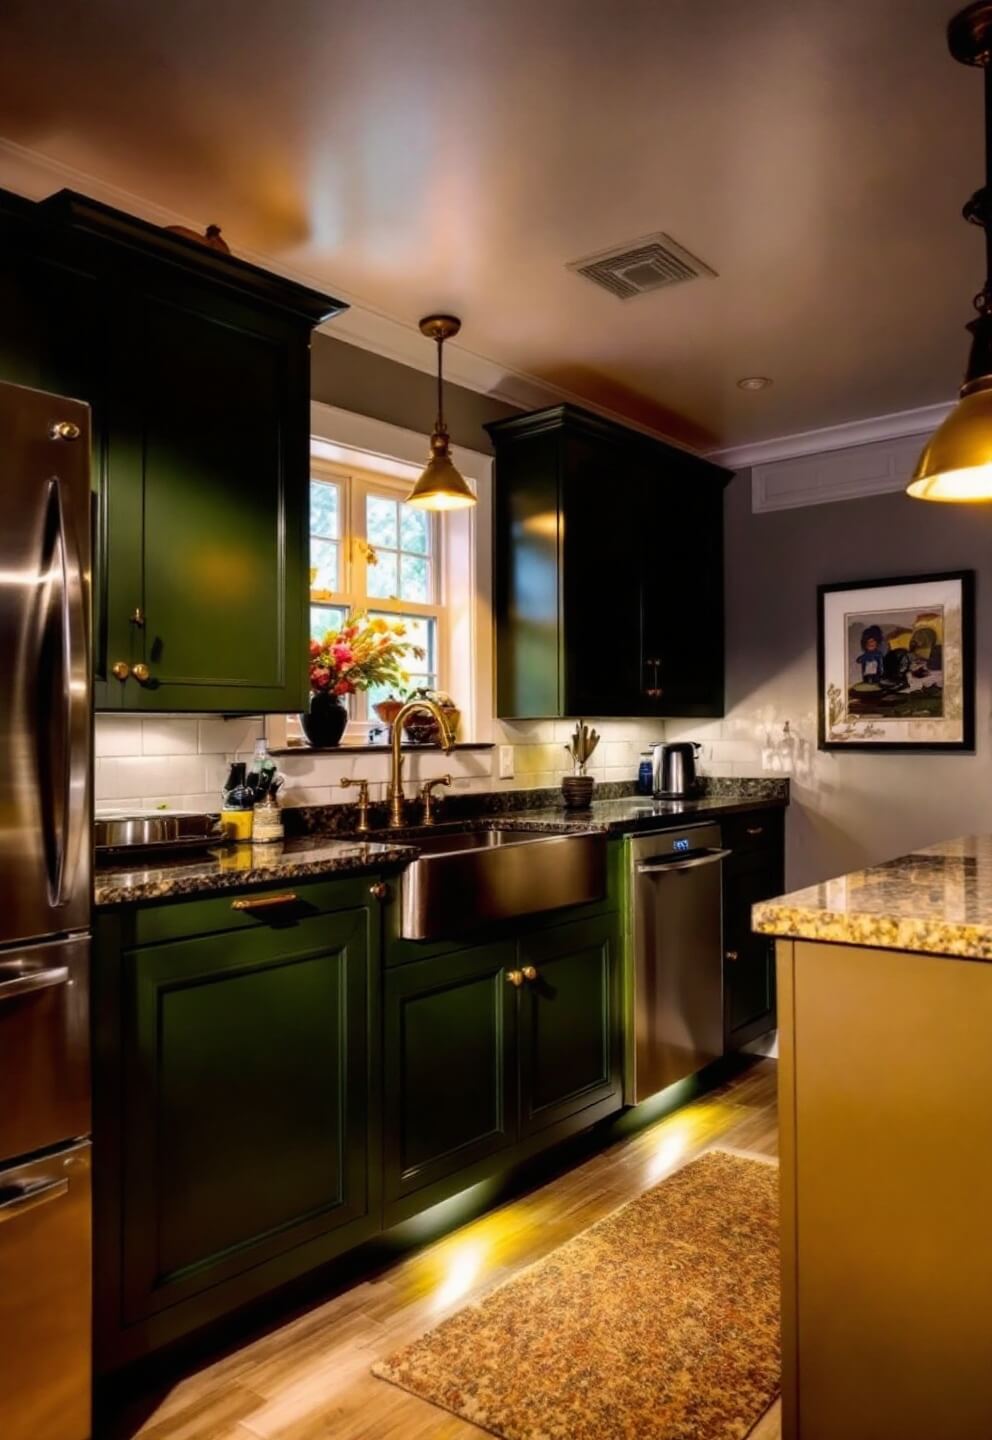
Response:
column 900, row 904
column 311, row 854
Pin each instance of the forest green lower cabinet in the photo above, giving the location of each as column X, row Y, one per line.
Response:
column 234, row 1124
column 269, row 1094
column 450, row 1082
column 494, row 1052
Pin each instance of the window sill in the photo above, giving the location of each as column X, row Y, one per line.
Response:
column 383, row 749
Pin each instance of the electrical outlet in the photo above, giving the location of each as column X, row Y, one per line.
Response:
column 506, row 762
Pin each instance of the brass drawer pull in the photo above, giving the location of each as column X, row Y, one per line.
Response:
column 64, row 430
column 529, row 972
column 515, row 978
column 121, row 670
column 141, row 673
column 756, row 830
column 378, row 891
column 732, row 955
column 263, row 902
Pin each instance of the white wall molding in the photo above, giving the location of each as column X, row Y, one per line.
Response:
column 851, row 474
column 922, row 421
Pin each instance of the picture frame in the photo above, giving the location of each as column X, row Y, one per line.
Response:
column 896, row 663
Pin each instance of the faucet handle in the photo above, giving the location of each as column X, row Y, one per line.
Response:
column 363, row 798
column 427, row 796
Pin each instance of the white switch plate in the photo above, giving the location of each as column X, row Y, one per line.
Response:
column 506, row 762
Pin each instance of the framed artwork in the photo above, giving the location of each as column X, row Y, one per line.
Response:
column 896, row 663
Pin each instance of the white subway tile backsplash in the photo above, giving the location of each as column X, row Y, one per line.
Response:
column 218, row 736
column 115, row 735
column 170, row 736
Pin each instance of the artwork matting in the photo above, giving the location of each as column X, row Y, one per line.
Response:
column 896, row 668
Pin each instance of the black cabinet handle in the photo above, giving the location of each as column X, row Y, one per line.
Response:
column 653, row 690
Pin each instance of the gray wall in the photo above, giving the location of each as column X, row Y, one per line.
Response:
column 358, row 380
column 856, row 809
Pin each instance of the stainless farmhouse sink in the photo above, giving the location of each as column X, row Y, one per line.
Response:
column 466, row 879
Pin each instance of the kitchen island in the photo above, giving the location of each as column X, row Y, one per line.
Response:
column 885, row 1014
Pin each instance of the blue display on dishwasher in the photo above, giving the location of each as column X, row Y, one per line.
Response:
column 680, row 844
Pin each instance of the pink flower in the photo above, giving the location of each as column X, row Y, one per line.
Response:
column 319, row 678
column 344, row 687
column 343, row 654
column 314, row 648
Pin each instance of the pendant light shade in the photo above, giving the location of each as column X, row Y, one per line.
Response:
column 956, row 464
column 440, row 487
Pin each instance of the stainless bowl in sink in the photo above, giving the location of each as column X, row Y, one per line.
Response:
column 463, row 880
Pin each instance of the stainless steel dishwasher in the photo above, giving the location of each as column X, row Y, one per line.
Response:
column 676, row 987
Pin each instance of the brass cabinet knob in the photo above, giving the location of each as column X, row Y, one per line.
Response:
column 64, row 430
column 378, row 891
column 121, row 670
column 756, row 829
column 515, row 978
column 142, row 674
column 529, row 972
column 137, row 616
column 732, row 955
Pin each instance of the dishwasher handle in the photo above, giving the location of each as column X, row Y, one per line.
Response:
column 665, row 864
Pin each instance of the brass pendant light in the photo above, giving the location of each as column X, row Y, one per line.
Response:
column 957, row 462
column 440, row 487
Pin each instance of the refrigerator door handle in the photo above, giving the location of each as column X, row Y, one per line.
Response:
column 31, row 1194
column 75, row 688
column 20, row 978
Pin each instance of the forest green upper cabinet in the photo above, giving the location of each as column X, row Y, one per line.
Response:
column 197, row 368
column 608, row 570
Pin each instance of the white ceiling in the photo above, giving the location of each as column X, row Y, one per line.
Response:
column 414, row 155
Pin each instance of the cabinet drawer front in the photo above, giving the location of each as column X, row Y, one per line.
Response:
column 758, row 830
column 184, row 918
column 245, row 1096
column 450, row 1084
column 570, row 1025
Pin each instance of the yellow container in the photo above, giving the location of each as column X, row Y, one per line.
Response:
column 237, row 824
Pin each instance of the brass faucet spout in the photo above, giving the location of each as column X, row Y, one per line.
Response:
column 447, row 737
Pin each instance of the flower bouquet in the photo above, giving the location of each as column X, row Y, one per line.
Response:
column 362, row 653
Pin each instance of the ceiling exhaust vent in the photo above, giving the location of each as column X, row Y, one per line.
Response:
column 647, row 264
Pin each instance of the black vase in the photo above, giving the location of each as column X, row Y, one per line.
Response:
column 324, row 724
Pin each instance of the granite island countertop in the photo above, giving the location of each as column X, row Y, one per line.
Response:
column 936, row 901
column 235, row 867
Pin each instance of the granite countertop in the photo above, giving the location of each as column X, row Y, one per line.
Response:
column 236, row 867
column 233, row 867
column 632, row 814
column 935, row 901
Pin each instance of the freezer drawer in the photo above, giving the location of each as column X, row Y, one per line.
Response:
column 44, row 1046
column 45, row 1298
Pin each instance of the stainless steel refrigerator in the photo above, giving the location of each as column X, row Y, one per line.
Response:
column 45, row 898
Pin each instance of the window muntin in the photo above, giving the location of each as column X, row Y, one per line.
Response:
column 370, row 551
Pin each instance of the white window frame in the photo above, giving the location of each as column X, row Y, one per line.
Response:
column 355, row 485
column 362, row 442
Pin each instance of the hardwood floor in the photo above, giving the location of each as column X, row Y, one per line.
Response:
column 308, row 1379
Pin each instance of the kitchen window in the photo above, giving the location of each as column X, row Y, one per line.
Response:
column 370, row 551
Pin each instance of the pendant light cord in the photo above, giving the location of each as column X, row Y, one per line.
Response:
column 440, row 383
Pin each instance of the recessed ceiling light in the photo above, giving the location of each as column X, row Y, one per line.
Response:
column 753, row 382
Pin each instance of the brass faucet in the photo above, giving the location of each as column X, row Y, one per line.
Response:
column 395, row 794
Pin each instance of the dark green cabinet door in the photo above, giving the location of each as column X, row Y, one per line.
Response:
column 569, row 1048
column 244, row 1086
column 601, row 579
column 449, row 1084
column 749, row 959
column 682, row 621
column 207, row 504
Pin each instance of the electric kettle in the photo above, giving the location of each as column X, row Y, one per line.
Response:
column 674, row 770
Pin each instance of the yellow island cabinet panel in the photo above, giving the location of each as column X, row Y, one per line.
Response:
column 885, row 1086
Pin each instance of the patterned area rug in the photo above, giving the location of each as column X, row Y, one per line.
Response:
column 658, row 1323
